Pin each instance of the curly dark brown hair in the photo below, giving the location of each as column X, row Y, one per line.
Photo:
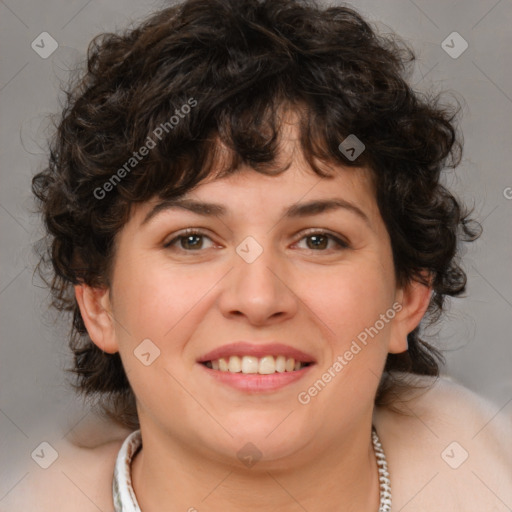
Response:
column 204, row 71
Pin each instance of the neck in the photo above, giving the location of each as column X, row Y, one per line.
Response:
column 168, row 476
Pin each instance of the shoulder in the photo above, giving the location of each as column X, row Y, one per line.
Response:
column 448, row 443
column 80, row 479
column 446, row 404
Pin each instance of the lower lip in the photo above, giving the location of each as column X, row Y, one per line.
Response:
column 256, row 383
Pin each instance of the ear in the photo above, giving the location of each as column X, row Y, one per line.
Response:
column 414, row 299
column 95, row 307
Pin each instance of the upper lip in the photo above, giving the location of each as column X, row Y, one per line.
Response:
column 244, row 348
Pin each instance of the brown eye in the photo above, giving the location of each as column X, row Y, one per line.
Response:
column 191, row 242
column 188, row 241
column 319, row 241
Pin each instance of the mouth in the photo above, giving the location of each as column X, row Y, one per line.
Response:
column 266, row 365
column 256, row 367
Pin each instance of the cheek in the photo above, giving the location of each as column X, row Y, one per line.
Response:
column 157, row 301
column 349, row 300
column 158, row 304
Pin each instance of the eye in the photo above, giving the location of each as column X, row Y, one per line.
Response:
column 189, row 240
column 320, row 241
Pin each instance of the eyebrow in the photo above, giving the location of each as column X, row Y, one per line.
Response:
column 297, row 210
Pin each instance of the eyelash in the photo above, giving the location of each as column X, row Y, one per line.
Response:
column 193, row 231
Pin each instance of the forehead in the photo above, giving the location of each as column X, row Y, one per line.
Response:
column 249, row 188
column 249, row 192
column 255, row 197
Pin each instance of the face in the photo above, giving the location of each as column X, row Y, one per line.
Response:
column 315, row 284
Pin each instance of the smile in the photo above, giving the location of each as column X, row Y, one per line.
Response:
column 266, row 365
column 256, row 367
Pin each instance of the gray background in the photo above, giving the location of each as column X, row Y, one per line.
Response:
column 36, row 402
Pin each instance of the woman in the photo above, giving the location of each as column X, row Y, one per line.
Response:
column 247, row 222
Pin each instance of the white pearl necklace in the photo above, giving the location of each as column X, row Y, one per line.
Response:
column 385, row 484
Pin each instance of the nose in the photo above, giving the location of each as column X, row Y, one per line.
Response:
column 261, row 292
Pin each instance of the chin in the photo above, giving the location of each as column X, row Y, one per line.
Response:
column 264, row 439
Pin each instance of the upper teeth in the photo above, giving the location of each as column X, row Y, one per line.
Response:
column 250, row 364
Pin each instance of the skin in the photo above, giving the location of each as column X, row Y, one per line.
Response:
column 432, row 418
column 317, row 300
column 314, row 456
